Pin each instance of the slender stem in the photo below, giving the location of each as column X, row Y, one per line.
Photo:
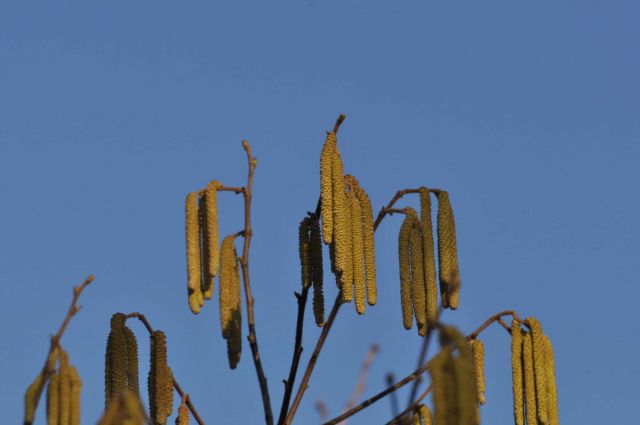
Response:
column 48, row 368
column 394, row 397
column 495, row 318
column 244, row 261
column 176, row 385
column 236, row 190
column 362, row 378
column 399, row 417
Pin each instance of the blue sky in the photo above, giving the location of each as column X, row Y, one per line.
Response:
column 527, row 113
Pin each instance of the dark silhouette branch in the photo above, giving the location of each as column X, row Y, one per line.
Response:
column 393, row 399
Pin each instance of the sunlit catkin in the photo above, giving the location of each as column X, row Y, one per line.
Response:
column 315, row 250
column 30, row 399
column 183, row 413
column 404, row 260
column 132, row 361
column 422, row 416
column 230, row 313
column 357, row 256
column 53, row 400
column 516, row 372
column 160, row 380
column 447, row 253
column 326, row 186
column 417, row 274
column 194, row 258
column 65, row 388
column 552, row 391
column 342, row 229
column 368, row 243
column 444, row 392
column 116, row 358
column 211, row 238
column 477, row 348
column 74, row 403
column 529, row 379
column 303, row 251
column 539, row 368
column 429, row 260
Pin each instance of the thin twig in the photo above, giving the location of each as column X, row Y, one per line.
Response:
column 244, row 261
column 495, row 318
column 362, row 378
column 176, row 385
column 48, row 368
column 398, row 419
column 236, row 190
column 389, row 379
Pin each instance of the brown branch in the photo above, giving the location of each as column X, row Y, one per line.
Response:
column 176, row 385
column 399, row 418
column 244, row 261
column 383, row 211
column 495, row 318
column 48, row 368
column 236, row 190
column 362, row 378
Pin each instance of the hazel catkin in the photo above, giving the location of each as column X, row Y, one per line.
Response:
column 132, row 361
column 160, row 381
column 30, row 400
column 539, row 369
column 116, row 358
column 65, row 388
column 183, row 413
column 357, row 254
column 404, row 260
column 447, row 253
column 429, row 261
column 368, row 243
column 230, row 314
column 210, row 238
column 74, row 402
column 516, row 372
column 342, row 229
column 529, row 379
column 303, row 251
column 422, row 416
column 552, row 391
column 417, row 274
column 315, row 251
column 326, row 186
column 53, row 400
column 194, row 256
column 477, row 348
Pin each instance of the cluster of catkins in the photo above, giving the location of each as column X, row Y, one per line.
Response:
column 121, row 377
column 206, row 258
column 347, row 227
column 535, row 396
column 418, row 292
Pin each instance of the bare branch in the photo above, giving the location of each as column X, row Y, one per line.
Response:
column 362, row 378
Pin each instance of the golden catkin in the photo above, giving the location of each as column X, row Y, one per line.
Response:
column 53, row 400
column 368, row 243
column 422, row 415
column 447, row 253
column 132, row 361
column 30, row 400
column 116, row 358
column 194, row 257
column 552, row 391
column 65, row 389
column 315, row 250
column 417, row 274
column 230, row 309
column 183, row 413
column 342, row 229
column 516, row 372
column 404, row 260
column 477, row 348
column 160, row 380
column 211, row 238
column 467, row 398
column 529, row 379
column 303, row 251
column 357, row 254
column 326, row 186
column 429, row 259
column 539, row 367
column 444, row 392
column 74, row 403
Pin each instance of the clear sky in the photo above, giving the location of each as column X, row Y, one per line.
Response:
column 526, row 112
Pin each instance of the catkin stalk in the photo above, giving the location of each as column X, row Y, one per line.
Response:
column 539, row 368
column 477, row 348
column 529, row 379
column 447, row 253
column 53, row 400
column 429, row 261
column 315, row 250
column 516, row 372
column 304, row 254
column 230, row 313
column 326, row 186
column 211, row 238
column 357, row 242
column 194, row 257
column 65, row 389
column 74, row 404
column 417, row 274
column 160, row 380
column 404, row 260
column 552, row 391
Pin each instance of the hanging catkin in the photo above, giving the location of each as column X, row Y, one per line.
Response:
column 422, row 415
column 160, row 380
column 516, row 372
column 194, row 257
column 183, row 413
column 230, row 314
column 342, row 229
column 429, row 260
column 529, row 379
column 417, row 273
column 53, row 400
column 303, row 251
column 211, row 238
column 74, row 404
column 315, row 250
column 65, row 388
column 116, row 359
column 443, row 384
column 404, row 260
column 539, row 368
column 30, row 400
column 466, row 389
column 132, row 361
column 447, row 253
column 552, row 392
column 368, row 243
column 326, row 186
column 357, row 253
column 477, row 348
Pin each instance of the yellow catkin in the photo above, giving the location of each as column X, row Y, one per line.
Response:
column 183, row 413
column 194, row 257
column 443, row 384
column 124, row 409
column 326, row 186
column 422, row 415
column 357, row 254
column 342, row 229
column 53, row 400
column 65, row 389
column 429, row 259
column 447, row 253
column 404, row 260
column 516, row 372
column 30, row 400
column 116, row 358
column 315, row 250
column 368, row 243
column 303, row 251
column 160, row 380
column 211, row 238
column 230, row 313
column 552, row 391
column 417, row 274
column 132, row 361
column 466, row 388
column 539, row 369
column 74, row 403
column 477, row 348
column 529, row 379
